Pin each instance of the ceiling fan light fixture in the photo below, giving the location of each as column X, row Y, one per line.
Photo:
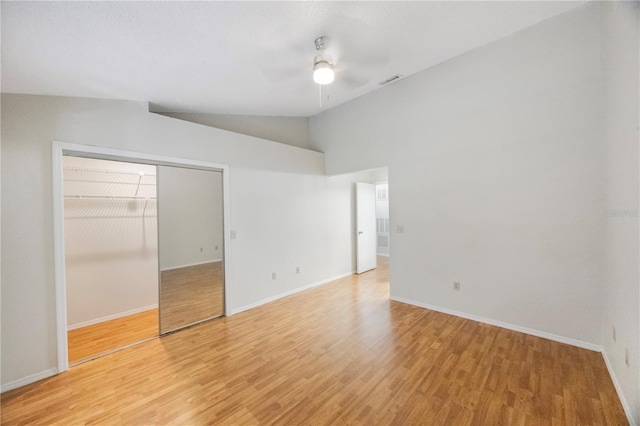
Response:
column 322, row 71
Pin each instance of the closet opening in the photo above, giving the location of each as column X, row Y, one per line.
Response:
column 111, row 255
column 140, row 247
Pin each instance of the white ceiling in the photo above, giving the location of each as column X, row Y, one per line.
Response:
column 250, row 58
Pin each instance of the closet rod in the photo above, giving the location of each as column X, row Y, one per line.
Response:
column 107, row 183
column 109, row 197
column 120, row 172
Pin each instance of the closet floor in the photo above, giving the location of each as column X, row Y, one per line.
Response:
column 88, row 342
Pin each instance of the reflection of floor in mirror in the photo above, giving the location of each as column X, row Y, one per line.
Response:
column 93, row 340
column 191, row 294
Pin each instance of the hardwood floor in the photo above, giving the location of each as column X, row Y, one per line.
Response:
column 191, row 294
column 91, row 341
column 188, row 295
column 341, row 353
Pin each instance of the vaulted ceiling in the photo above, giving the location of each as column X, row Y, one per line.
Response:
column 240, row 57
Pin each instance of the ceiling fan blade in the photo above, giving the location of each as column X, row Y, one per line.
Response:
column 353, row 79
column 277, row 72
column 359, row 61
column 356, row 41
column 283, row 47
column 282, row 55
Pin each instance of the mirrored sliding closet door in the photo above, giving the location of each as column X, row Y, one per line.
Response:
column 190, row 229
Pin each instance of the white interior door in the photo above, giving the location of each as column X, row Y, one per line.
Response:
column 366, row 227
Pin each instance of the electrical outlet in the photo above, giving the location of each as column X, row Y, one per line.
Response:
column 613, row 330
column 233, row 235
column 297, row 269
column 626, row 357
column 456, row 286
column 400, row 229
column 273, row 276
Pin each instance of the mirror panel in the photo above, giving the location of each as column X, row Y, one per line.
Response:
column 190, row 229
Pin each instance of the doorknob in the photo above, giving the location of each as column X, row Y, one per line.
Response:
column 359, row 232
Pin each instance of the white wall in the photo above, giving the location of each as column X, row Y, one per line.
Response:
column 190, row 216
column 621, row 276
column 503, row 163
column 288, row 130
column 495, row 171
column 111, row 245
column 306, row 222
column 31, row 123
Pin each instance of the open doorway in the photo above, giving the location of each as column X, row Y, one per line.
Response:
column 111, row 255
column 372, row 220
column 383, row 246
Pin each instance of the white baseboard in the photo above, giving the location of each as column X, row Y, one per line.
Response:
column 525, row 330
column 111, row 317
column 28, row 380
column 171, row 268
column 625, row 405
column 288, row 293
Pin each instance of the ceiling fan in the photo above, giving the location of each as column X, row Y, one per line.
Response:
column 322, row 63
column 346, row 62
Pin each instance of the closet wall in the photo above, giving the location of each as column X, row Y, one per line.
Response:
column 110, row 220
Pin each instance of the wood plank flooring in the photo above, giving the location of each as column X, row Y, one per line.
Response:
column 93, row 340
column 191, row 294
column 341, row 353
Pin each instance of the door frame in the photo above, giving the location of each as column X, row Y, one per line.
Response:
column 59, row 149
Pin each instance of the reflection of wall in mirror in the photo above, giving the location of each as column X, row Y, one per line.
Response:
column 191, row 223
